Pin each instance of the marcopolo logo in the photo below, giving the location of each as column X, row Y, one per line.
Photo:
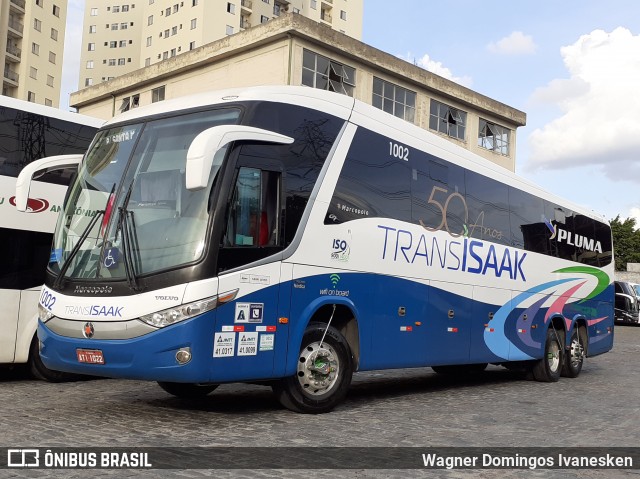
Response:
column 570, row 238
column 34, row 205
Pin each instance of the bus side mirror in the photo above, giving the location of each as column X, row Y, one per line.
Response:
column 26, row 176
column 204, row 147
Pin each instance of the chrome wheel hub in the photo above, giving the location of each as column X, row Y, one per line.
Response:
column 318, row 369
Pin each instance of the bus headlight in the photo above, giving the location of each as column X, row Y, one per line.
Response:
column 44, row 314
column 171, row 316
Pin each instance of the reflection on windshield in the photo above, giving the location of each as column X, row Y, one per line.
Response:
column 154, row 222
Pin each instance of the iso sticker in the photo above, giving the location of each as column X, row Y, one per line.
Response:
column 248, row 344
column 224, row 345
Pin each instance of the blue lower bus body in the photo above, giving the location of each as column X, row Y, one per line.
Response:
column 400, row 323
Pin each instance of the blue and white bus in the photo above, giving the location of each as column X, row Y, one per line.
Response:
column 28, row 132
column 295, row 236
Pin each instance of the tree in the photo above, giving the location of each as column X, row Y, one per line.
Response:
column 626, row 242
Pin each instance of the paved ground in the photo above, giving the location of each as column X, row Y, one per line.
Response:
column 417, row 408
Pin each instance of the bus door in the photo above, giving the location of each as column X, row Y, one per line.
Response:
column 248, row 338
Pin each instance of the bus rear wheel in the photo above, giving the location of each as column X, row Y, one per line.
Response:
column 574, row 358
column 187, row 390
column 323, row 373
column 548, row 368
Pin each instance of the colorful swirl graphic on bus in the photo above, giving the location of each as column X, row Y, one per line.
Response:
column 495, row 336
column 34, row 205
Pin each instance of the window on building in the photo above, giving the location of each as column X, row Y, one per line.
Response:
column 122, row 61
column 37, row 24
column 35, row 48
column 343, row 15
column 112, row 62
column 166, row 33
column 33, row 73
column 93, row 29
column 48, row 102
column 124, row 26
column 116, row 9
column 114, row 26
column 150, row 20
column 493, row 137
column 123, row 43
column 149, row 40
column 194, row 3
column 56, row 10
column 173, row 52
column 448, row 120
column 175, row 8
column 167, row 12
column 192, row 45
column 39, row 2
column 314, row 4
column 157, row 94
column 165, row 55
column 54, row 34
column 229, row 30
column 325, row 74
column 91, row 47
column 394, row 99
column 194, row 22
column 151, row 2
column 94, row 12
column 231, row 8
column 49, row 80
column 296, row 10
column 113, row 44
column 264, row 19
column 147, row 61
column 89, row 64
column 125, row 8
column 174, row 31
column 31, row 97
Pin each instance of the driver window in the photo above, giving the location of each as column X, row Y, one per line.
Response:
column 253, row 213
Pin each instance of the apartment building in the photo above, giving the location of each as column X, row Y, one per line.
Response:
column 31, row 49
column 296, row 50
column 121, row 37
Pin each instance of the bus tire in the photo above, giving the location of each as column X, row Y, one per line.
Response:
column 549, row 367
column 187, row 390
column 40, row 371
column 574, row 358
column 323, row 375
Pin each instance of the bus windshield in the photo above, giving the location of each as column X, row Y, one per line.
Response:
column 133, row 180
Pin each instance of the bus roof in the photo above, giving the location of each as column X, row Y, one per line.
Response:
column 49, row 111
column 363, row 114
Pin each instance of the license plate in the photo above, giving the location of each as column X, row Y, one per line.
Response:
column 91, row 356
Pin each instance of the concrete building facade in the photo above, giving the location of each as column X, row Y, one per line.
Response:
column 31, row 49
column 295, row 50
column 119, row 38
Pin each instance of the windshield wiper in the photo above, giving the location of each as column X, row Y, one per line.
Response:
column 127, row 248
column 76, row 248
column 74, row 251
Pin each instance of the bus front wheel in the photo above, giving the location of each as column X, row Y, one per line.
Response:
column 187, row 390
column 40, row 371
column 323, row 372
column 549, row 367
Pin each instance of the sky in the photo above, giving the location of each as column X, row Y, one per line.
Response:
column 573, row 66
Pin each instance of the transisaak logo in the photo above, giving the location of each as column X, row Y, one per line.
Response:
column 34, row 205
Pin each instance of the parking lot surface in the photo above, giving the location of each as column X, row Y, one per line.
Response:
column 410, row 408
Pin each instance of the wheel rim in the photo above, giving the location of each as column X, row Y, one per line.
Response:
column 553, row 356
column 577, row 353
column 318, row 369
